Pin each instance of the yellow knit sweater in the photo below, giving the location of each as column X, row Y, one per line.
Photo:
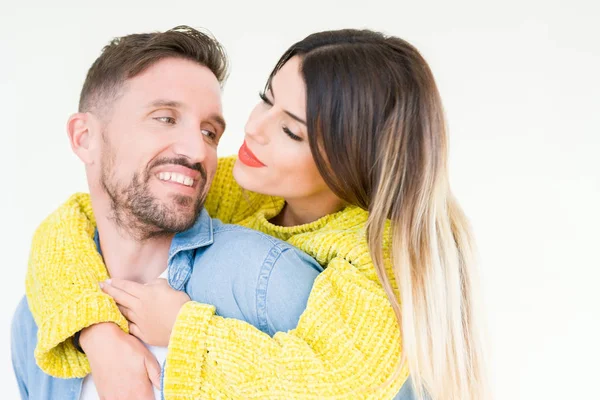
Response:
column 346, row 345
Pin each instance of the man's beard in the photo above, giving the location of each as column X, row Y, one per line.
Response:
column 140, row 213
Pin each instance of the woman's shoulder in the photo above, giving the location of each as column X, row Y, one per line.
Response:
column 343, row 239
column 342, row 235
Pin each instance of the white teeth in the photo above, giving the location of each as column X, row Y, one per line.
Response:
column 175, row 177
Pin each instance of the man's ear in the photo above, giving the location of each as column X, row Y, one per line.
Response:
column 79, row 130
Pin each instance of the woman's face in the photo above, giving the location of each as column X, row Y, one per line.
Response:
column 275, row 158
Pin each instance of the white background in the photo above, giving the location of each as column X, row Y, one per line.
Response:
column 520, row 85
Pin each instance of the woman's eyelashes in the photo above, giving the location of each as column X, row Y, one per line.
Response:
column 286, row 130
column 291, row 134
column 265, row 99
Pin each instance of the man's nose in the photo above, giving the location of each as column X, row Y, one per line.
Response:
column 192, row 145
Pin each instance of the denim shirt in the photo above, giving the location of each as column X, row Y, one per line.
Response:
column 245, row 274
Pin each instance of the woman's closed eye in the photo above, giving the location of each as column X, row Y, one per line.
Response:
column 291, row 134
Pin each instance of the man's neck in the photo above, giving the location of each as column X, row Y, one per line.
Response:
column 127, row 257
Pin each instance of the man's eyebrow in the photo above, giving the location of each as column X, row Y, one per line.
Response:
column 293, row 116
column 218, row 119
column 164, row 103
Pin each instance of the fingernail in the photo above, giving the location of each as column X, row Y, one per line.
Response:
column 108, row 281
column 101, row 285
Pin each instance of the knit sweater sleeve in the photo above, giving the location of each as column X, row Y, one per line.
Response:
column 226, row 199
column 62, row 287
column 346, row 345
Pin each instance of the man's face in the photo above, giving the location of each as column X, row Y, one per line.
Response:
column 157, row 149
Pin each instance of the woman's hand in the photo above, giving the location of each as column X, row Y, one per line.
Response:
column 122, row 367
column 151, row 309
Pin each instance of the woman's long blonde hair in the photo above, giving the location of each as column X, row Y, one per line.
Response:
column 377, row 133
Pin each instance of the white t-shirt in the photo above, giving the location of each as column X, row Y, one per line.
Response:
column 88, row 390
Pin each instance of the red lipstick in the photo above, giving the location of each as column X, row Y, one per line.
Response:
column 248, row 158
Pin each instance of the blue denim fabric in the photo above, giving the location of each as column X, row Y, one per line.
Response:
column 245, row 274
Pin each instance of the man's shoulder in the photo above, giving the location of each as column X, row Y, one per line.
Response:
column 23, row 319
column 269, row 278
column 236, row 242
column 32, row 381
column 237, row 234
column 23, row 336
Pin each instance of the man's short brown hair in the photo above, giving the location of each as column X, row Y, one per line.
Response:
column 128, row 56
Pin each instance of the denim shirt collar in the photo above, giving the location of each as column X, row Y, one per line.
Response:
column 199, row 235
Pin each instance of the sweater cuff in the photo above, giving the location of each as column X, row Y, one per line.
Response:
column 55, row 353
column 187, row 352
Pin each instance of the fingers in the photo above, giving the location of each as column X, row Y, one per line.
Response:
column 133, row 288
column 127, row 313
column 135, row 331
column 121, row 296
column 153, row 369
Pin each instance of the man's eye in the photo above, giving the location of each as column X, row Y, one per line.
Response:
column 211, row 135
column 166, row 120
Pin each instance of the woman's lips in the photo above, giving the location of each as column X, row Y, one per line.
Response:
column 248, row 158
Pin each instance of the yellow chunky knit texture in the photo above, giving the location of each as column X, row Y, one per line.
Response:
column 346, row 345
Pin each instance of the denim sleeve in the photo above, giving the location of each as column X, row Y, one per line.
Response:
column 284, row 288
column 253, row 277
column 18, row 340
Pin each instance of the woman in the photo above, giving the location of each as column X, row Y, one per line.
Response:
column 345, row 158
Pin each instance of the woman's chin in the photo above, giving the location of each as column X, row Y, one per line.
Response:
column 246, row 177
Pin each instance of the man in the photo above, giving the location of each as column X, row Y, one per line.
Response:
column 147, row 130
